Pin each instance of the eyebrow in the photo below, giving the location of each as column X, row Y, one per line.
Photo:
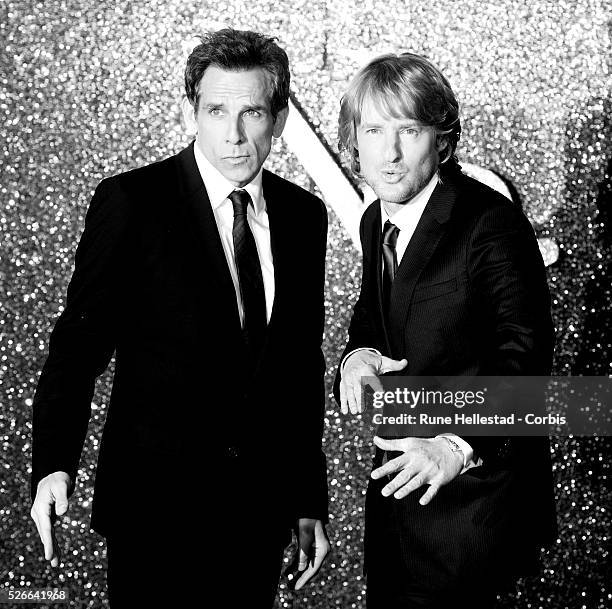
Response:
column 407, row 123
column 213, row 105
column 259, row 108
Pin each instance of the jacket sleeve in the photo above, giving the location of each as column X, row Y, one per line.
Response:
column 508, row 280
column 311, row 466
column 82, row 341
column 361, row 333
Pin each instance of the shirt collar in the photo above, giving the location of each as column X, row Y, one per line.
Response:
column 219, row 187
column 404, row 218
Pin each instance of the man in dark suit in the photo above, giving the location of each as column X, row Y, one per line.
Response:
column 204, row 274
column 454, row 285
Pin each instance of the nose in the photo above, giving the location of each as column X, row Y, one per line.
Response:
column 392, row 152
column 235, row 133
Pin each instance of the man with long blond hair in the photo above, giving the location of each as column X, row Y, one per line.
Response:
column 454, row 285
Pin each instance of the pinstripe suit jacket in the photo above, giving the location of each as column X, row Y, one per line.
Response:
column 470, row 297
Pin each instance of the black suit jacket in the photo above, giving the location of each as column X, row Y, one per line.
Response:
column 152, row 285
column 470, row 297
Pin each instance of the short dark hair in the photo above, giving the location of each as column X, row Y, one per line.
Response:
column 237, row 50
column 406, row 85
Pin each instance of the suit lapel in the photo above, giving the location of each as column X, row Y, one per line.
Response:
column 204, row 229
column 279, row 239
column 427, row 235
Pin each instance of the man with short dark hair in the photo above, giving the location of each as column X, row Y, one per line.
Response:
column 453, row 285
column 205, row 274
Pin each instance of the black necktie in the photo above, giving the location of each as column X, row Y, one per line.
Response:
column 389, row 255
column 249, row 274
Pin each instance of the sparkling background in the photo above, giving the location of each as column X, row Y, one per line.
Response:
column 88, row 90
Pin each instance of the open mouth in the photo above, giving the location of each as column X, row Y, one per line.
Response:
column 392, row 176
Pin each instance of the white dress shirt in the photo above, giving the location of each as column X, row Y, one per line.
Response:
column 406, row 219
column 218, row 189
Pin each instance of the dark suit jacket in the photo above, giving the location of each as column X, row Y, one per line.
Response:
column 470, row 297
column 151, row 284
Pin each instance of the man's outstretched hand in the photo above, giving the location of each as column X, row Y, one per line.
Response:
column 51, row 501
column 423, row 461
column 363, row 363
column 313, row 547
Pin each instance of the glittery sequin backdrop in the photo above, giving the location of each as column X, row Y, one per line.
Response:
column 92, row 89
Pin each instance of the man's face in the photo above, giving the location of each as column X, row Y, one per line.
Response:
column 397, row 156
column 234, row 122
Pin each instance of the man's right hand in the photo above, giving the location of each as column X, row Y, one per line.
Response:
column 357, row 365
column 51, row 495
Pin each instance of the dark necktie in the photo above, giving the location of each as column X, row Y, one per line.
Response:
column 249, row 274
column 389, row 255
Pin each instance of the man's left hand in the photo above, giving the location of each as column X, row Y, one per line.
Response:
column 424, row 461
column 313, row 548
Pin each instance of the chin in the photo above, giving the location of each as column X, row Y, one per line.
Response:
column 241, row 175
column 393, row 195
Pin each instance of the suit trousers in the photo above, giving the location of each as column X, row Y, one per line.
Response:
column 168, row 566
column 223, row 548
column 390, row 585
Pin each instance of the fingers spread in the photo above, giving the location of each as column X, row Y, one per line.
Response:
column 390, row 467
column 412, row 484
column 430, row 493
column 398, row 482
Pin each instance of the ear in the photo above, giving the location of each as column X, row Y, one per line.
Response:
column 280, row 121
column 189, row 118
column 443, row 145
column 441, row 142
